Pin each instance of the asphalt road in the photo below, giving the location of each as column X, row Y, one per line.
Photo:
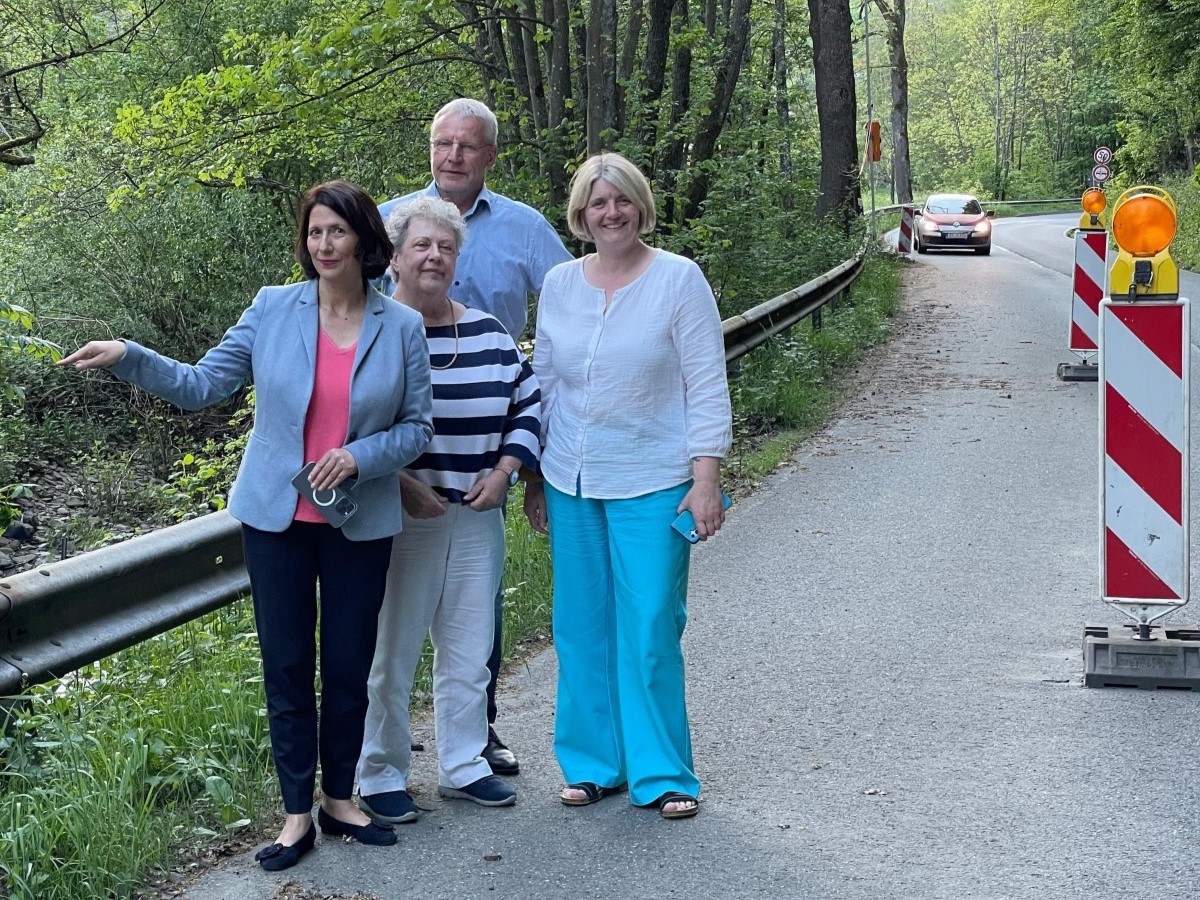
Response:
column 885, row 662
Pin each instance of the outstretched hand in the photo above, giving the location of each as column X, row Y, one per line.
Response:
column 95, row 355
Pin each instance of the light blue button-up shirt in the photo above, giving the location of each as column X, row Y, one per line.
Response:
column 510, row 247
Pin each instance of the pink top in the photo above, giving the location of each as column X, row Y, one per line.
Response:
column 328, row 410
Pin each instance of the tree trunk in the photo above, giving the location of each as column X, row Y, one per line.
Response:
column 782, row 112
column 681, row 96
column 498, row 61
column 557, row 94
column 520, row 75
column 894, row 15
column 601, row 72
column 999, row 112
column 533, row 67
column 633, row 34
column 963, row 155
column 709, row 128
column 654, row 70
column 837, row 110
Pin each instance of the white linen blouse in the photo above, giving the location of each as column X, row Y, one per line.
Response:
column 631, row 395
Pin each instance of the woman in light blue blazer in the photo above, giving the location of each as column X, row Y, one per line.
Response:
column 341, row 376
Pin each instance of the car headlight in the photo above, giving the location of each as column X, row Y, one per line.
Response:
column 928, row 227
column 984, row 227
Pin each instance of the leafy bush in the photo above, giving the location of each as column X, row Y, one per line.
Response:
column 176, row 743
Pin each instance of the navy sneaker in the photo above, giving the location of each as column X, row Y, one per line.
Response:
column 487, row 791
column 392, row 807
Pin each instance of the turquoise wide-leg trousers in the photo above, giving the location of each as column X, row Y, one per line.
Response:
column 620, row 606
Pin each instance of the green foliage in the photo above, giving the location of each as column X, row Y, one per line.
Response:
column 1186, row 246
column 1007, row 99
column 201, row 480
column 17, row 344
column 114, row 483
column 1151, row 48
column 175, row 750
column 174, row 272
column 16, row 340
column 10, row 495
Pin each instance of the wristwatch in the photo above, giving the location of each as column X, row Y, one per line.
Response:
column 512, row 474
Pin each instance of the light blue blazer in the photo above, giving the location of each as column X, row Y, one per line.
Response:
column 275, row 341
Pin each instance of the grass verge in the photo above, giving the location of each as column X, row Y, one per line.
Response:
column 162, row 750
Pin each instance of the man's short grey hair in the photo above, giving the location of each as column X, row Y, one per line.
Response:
column 431, row 209
column 469, row 108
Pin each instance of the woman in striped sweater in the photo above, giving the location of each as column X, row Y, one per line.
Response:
column 446, row 566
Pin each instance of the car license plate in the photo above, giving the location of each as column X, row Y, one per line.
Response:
column 954, row 235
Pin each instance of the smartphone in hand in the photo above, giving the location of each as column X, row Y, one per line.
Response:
column 334, row 504
column 685, row 524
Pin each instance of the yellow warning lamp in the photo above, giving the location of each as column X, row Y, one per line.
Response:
column 1143, row 225
column 1094, row 202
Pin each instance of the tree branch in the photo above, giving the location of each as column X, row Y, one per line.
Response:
column 90, row 48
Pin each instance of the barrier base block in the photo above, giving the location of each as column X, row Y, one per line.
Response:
column 1114, row 657
column 1074, row 372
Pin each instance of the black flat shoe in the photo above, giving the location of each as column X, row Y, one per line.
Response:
column 277, row 857
column 372, row 833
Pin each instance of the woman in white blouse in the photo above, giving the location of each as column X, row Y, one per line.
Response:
column 636, row 419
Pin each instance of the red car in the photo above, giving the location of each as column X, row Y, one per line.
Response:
column 953, row 222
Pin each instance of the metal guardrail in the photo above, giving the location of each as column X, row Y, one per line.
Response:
column 67, row 614
column 753, row 327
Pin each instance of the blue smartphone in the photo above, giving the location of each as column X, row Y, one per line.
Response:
column 685, row 524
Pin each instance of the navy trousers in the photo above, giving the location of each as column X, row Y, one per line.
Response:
column 285, row 569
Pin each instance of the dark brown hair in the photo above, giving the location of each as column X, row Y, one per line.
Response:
column 355, row 205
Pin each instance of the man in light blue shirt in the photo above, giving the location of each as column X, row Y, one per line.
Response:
column 510, row 247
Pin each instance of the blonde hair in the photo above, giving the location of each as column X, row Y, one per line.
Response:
column 621, row 174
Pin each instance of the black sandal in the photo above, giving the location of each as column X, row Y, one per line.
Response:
column 677, row 797
column 593, row 793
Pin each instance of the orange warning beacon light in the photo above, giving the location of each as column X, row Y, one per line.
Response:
column 1094, row 201
column 1144, row 222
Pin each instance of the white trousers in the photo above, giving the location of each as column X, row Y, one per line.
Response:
column 442, row 580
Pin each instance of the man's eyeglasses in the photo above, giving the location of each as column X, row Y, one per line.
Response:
column 447, row 146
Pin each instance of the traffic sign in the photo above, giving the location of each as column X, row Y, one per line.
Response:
column 1100, row 173
column 1103, row 156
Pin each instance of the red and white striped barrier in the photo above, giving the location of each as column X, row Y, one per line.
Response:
column 904, row 240
column 1087, row 290
column 1144, row 440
